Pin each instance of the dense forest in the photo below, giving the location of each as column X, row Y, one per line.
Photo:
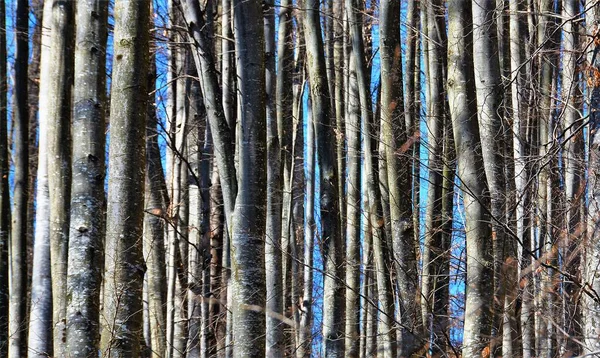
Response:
column 299, row 178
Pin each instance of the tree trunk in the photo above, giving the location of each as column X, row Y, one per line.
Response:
column 124, row 264
column 521, row 173
column 4, row 192
column 306, row 317
column 222, row 133
column 86, row 237
column 476, row 196
column 489, row 96
column 592, row 262
column 40, row 316
column 573, row 175
column 353, row 213
column 247, row 240
column 59, row 163
column 156, row 202
column 273, row 243
column 18, row 236
column 435, row 255
column 395, row 132
column 333, row 300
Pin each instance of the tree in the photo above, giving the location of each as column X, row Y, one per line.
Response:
column 323, row 119
column 40, row 342
column 475, row 193
column 20, row 155
column 86, row 235
column 247, row 239
column 59, row 165
column 489, row 95
column 124, row 264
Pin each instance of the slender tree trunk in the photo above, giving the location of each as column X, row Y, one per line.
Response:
column 395, row 134
column 338, row 99
column 435, row 255
column 476, row 196
column 222, row 133
column 306, row 316
column 40, row 317
column 592, row 261
column 4, row 192
column 273, row 243
column 489, row 96
column 333, row 299
column 199, row 265
column 124, row 264
column 573, row 156
column 18, row 237
column 286, row 124
column 156, row 202
column 86, row 237
column 521, row 172
column 59, row 167
column 247, row 240
column 353, row 211
column 413, row 111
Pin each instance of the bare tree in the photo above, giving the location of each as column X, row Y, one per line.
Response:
column 475, row 193
column 124, row 263
column 18, row 236
column 323, row 118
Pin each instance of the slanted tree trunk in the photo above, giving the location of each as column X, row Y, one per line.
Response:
column 59, row 161
column 18, row 236
column 489, row 96
column 333, row 300
column 124, row 264
column 40, row 317
column 222, row 133
column 476, row 196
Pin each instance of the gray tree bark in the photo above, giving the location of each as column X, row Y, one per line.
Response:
column 222, row 133
column 435, row 255
column 592, row 258
column 17, row 340
column 476, row 196
column 86, row 236
column 273, row 238
column 489, row 96
column 395, row 132
column 155, row 202
column 353, row 213
column 573, row 174
column 333, row 300
column 521, row 171
column 40, row 315
column 306, row 315
column 247, row 240
column 59, row 161
column 4, row 191
column 124, row 264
